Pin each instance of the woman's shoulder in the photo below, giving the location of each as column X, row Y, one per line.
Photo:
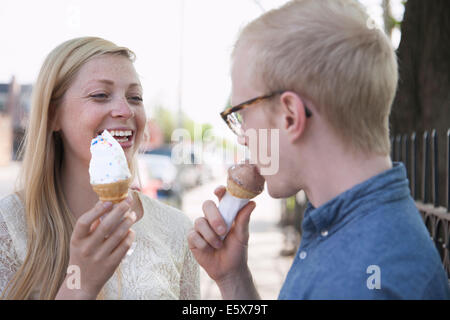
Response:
column 12, row 212
column 12, row 221
column 10, row 203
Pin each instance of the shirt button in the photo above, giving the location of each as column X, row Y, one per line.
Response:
column 324, row 233
column 302, row 255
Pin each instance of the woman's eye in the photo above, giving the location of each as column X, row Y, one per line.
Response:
column 99, row 96
column 136, row 98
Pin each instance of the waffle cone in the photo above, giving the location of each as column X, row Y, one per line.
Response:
column 114, row 192
column 238, row 191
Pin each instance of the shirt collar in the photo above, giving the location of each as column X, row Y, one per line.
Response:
column 387, row 186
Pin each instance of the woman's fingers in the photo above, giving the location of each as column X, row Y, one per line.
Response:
column 121, row 250
column 94, row 225
column 110, row 222
column 84, row 223
column 118, row 235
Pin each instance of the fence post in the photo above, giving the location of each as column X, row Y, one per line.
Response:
column 414, row 182
column 398, row 148
column 405, row 152
column 448, row 172
column 425, row 168
column 392, row 148
column 434, row 169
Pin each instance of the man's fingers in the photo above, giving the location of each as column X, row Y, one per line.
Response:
column 203, row 227
column 220, row 192
column 243, row 219
column 214, row 217
column 196, row 241
column 83, row 225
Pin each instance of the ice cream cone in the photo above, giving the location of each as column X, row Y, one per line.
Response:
column 238, row 191
column 109, row 173
column 114, row 192
column 243, row 183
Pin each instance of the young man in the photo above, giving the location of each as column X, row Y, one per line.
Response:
column 327, row 79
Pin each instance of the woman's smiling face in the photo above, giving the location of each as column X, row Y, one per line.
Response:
column 105, row 94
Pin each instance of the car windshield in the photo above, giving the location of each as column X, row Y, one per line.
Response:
column 159, row 167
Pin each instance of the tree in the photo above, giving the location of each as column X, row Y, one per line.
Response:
column 166, row 120
column 423, row 97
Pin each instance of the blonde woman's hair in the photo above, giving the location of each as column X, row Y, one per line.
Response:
column 48, row 218
column 329, row 52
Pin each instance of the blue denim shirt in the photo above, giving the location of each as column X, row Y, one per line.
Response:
column 369, row 242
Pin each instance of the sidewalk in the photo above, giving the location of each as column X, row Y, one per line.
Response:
column 269, row 269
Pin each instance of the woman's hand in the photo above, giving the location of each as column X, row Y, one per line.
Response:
column 98, row 246
column 224, row 261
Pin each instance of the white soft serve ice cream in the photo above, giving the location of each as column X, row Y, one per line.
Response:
column 108, row 163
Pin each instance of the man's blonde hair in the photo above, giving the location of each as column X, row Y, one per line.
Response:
column 329, row 52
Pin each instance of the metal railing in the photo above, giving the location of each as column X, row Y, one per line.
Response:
column 436, row 216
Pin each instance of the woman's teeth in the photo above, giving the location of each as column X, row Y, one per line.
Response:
column 121, row 135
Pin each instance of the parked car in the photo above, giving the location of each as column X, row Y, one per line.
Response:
column 190, row 173
column 158, row 177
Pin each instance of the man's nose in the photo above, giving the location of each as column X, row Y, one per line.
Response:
column 122, row 109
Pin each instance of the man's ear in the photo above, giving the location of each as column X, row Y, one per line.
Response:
column 293, row 115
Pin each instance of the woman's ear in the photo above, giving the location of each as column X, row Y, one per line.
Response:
column 54, row 118
column 294, row 115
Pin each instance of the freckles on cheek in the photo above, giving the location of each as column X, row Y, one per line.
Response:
column 79, row 133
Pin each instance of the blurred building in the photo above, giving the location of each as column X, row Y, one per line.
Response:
column 15, row 103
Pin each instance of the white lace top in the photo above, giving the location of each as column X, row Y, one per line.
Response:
column 160, row 267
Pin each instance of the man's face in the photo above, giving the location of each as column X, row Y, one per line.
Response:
column 261, row 128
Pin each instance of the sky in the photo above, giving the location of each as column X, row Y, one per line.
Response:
column 182, row 47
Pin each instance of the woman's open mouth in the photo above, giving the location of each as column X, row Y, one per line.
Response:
column 123, row 136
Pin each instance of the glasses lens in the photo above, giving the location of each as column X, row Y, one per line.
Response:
column 235, row 122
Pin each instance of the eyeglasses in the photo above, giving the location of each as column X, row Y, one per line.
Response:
column 233, row 118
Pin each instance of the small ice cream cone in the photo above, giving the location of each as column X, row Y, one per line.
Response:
column 108, row 169
column 243, row 183
column 239, row 192
column 114, row 192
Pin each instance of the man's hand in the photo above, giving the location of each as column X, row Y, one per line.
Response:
column 224, row 261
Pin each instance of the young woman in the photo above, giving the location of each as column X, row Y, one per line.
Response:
column 52, row 242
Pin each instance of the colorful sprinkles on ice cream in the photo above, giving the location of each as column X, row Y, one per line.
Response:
column 108, row 163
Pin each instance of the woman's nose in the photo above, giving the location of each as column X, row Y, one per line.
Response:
column 122, row 109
